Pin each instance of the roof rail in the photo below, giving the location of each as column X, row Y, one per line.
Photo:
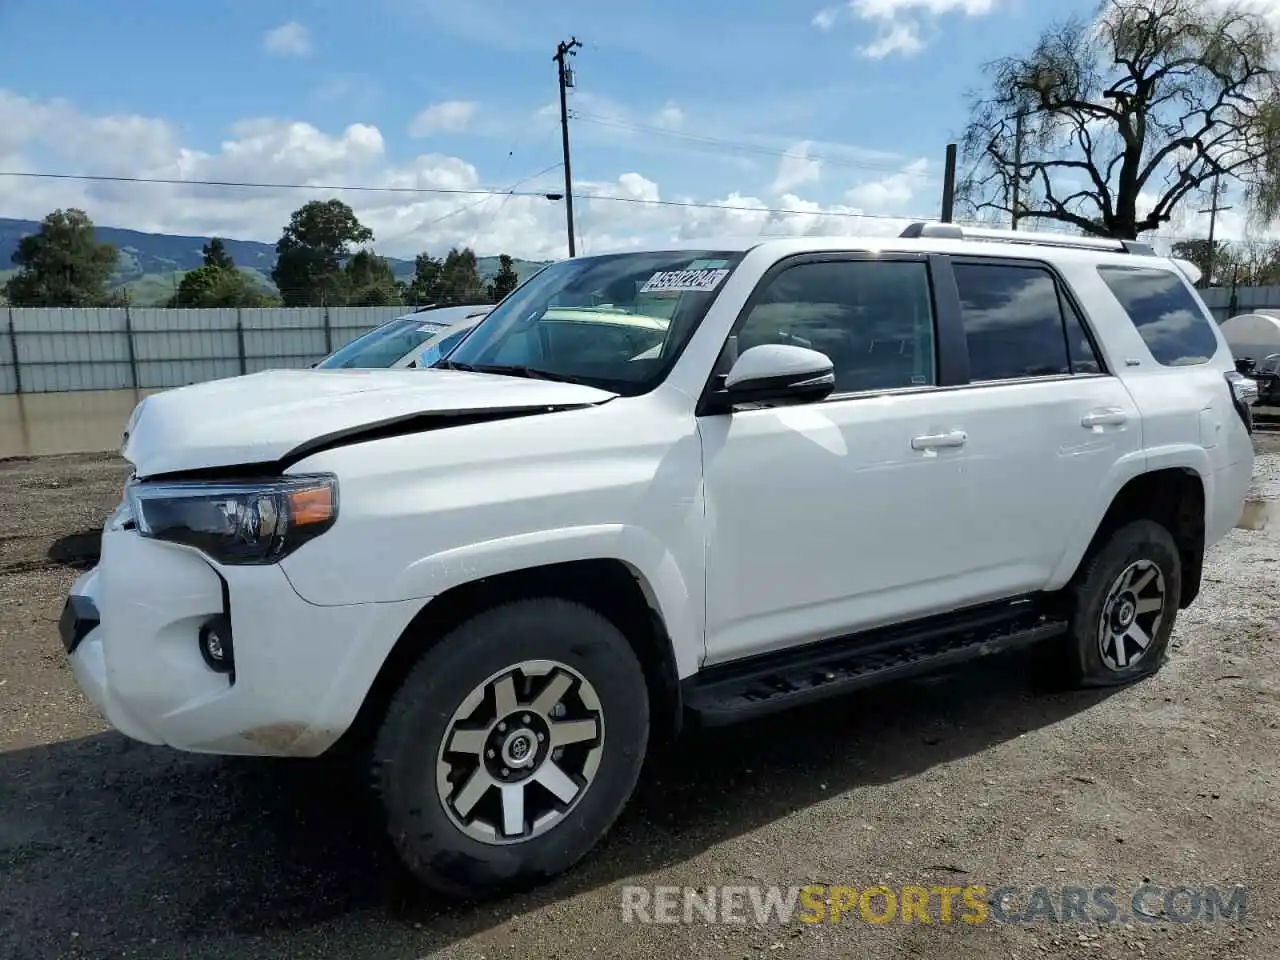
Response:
column 923, row 230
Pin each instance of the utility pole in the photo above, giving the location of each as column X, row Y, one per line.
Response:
column 1015, row 186
column 564, row 50
column 1213, row 211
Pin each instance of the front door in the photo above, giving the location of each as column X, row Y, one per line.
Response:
column 833, row 516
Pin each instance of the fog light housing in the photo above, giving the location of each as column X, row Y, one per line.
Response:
column 216, row 647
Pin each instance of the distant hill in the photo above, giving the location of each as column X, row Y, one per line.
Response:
column 152, row 264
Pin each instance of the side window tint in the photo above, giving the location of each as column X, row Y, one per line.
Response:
column 873, row 318
column 1165, row 312
column 1080, row 349
column 1012, row 322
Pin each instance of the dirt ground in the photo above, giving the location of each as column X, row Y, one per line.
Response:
column 113, row 849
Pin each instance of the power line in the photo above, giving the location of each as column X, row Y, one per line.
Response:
column 505, row 195
column 737, row 145
column 484, row 193
column 348, row 188
column 488, row 193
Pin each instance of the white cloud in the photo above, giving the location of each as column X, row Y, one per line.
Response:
column 894, row 192
column 796, row 168
column 670, row 116
column 897, row 37
column 450, row 116
column 825, row 18
column 902, row 27
column 288, row 40
column 55, row 135
column 889, row 9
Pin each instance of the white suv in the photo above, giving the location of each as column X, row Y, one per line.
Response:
column 813, row 466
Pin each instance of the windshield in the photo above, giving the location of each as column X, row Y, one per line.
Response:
column 442, row 343
column 384, row 345
column 616, row 321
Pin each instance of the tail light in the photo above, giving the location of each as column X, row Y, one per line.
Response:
column 1244, row 393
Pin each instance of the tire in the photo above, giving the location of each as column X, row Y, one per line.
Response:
column 1112, row 608
column 464, row 847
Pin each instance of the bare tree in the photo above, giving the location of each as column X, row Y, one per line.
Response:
column 1110, row 123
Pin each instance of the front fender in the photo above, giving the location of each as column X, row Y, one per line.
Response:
column 667, row 585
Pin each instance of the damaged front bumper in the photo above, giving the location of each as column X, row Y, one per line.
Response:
column 132, row 628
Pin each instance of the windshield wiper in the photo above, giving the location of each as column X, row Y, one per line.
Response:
column 447, row 364
column 519, row 370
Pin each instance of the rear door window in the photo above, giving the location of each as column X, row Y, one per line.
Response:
column 1168, row 316
column 1013, row 322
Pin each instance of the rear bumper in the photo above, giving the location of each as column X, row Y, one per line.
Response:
column 131, row 627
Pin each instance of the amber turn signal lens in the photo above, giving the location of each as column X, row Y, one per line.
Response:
column 314, row 505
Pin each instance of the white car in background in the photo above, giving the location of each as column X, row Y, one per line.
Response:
column 399, row 342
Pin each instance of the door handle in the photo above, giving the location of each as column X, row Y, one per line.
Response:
column 1107, row 417
column 932, row 441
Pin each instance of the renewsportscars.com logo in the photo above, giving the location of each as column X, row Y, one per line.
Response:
column 974, row 904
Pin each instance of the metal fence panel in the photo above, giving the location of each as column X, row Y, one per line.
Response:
column 1219, row 300
column 64, row 349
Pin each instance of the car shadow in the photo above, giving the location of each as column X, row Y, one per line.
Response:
column 80, row 551
column 119, row 848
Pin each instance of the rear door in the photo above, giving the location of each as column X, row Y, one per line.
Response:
column 1046, row 421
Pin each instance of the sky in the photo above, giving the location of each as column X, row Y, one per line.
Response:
column 834, row 115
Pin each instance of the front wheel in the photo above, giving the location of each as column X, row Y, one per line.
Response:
column 1124, row 603
column 512, row 747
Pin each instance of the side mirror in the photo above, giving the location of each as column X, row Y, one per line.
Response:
column 777, row 373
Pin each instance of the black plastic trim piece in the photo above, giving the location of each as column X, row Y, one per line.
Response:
column 727, row 693
column 416, row 423
column 776, row 390
column 79, row 618
column 405, row 425
column 953, row 347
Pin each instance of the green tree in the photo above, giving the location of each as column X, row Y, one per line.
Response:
column 62, row 265
column 460, row 278
column 370, row 282
column 1214, row 261
column 1146, row 99
column 505, row 280
column 215, row 255
column 424, row 288
column 1251, row 263
column 311, row 251
column 211, row 286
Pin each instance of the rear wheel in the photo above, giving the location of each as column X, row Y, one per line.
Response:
column 1124, row 603
column 512, row 747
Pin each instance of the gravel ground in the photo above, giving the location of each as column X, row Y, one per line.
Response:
column 110, row 848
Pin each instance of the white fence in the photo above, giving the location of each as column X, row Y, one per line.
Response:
column 48, row 350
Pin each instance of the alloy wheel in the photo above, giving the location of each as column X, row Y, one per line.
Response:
column 520, row 752
column 1131, row 615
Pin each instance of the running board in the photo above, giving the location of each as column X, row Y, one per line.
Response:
column 773, row 682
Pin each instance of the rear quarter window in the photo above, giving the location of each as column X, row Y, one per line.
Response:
column 1168, row 316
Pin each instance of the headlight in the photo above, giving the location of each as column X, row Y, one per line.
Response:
column 237, row 522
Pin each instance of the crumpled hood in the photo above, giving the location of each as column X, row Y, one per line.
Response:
column 263, row 417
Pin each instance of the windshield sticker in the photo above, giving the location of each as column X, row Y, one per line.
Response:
column 430, row 328
column 707, row 264
column 682, row 281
